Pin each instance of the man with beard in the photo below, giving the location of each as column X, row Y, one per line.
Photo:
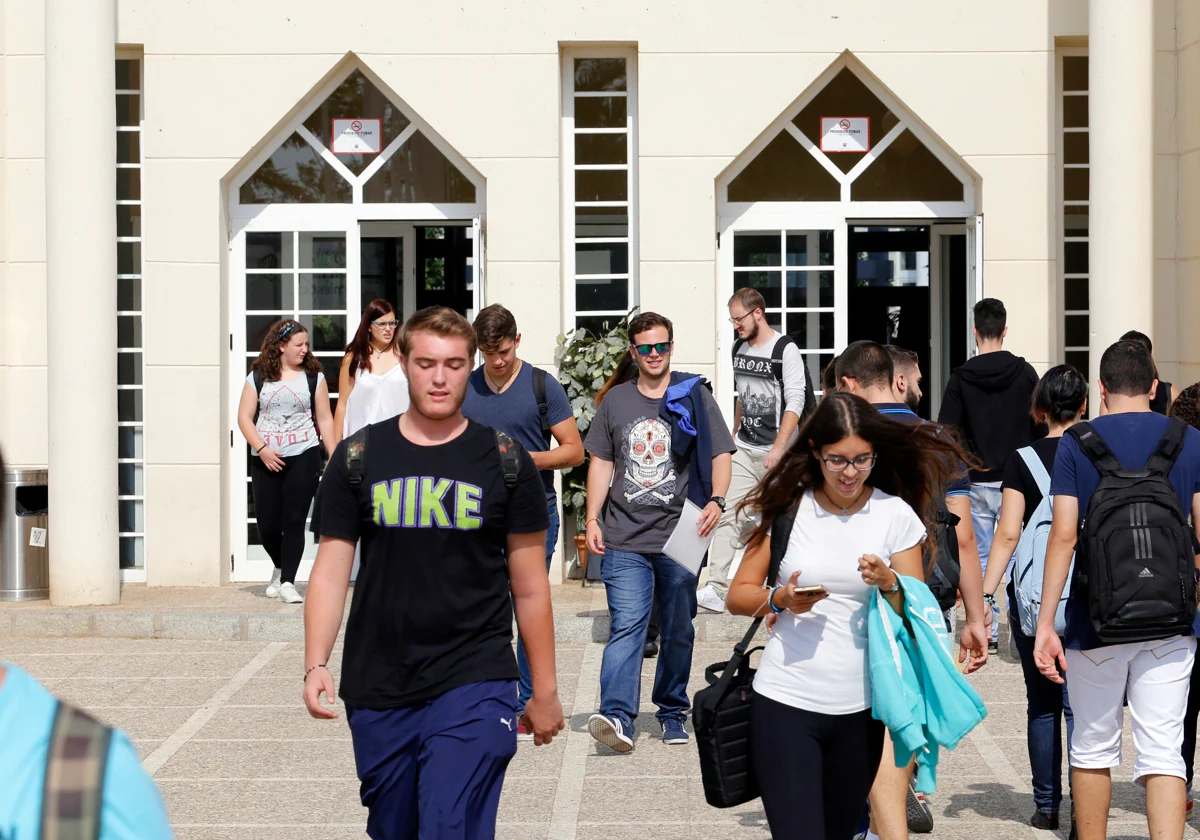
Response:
column 453, row 520
column 769, row 380
column 906, row 379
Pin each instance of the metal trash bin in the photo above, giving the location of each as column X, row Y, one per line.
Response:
column 24, row 553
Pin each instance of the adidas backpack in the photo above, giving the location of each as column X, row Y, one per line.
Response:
column 944, row 572
column 1136, row 552
column 1029, row 560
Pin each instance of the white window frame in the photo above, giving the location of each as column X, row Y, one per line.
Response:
column 135, row 575
column 734, row 216
column 1059, row 324
column 569, row 167
column 342, row 219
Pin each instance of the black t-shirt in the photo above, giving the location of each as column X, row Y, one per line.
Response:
column 432, row 608
column 1018, row 477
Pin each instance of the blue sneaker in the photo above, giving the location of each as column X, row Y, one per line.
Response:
column 673, row 732
column 612, row 732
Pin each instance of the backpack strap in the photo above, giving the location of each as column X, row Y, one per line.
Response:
column 781, row 532
column 76, row 762
column 259, row 379
column 510, row 459
column 313, row 380
column 737, row 345
column 1169, row 446
column 1094, row 447
column 356, row 456
column 539, row 394
column 1036, row 468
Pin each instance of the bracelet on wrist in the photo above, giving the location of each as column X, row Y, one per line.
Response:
column 590, row 521
column 313, row 668
column 989, row 599
column 771, row 601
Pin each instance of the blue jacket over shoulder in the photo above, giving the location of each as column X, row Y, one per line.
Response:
column 916, row 689
column 691, row 438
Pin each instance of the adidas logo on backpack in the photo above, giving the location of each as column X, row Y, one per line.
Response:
column 1135, row 546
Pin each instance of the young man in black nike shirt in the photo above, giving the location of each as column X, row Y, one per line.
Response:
column 450, row 546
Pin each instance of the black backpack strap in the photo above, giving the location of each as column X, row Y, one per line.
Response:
column 781, row 346
column 259, row 379
column 1094, row 447
column 510, row 459
column 314, row 380
column 356, row 456
column 539, row 394
column 76, row 763
column 737, row 345
column 781, row 532
column 1169, row 446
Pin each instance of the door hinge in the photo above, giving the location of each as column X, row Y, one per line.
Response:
column 231, row 341
column 231, row 562
column 718, row 242
column 231, row 438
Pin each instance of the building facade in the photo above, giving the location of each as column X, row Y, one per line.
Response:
column 873, row 168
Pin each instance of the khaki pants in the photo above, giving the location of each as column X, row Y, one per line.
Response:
column 749, row 467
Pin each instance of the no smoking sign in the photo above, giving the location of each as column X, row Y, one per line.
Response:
column 357, row 137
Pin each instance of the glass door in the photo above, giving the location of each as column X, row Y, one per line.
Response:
column 309, row 276
column 386, row 267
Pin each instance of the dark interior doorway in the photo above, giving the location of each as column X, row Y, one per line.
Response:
column 888, row 298
column 382, row 271
column 444, row 277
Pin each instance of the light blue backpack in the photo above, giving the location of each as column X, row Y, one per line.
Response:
column 1029, row 560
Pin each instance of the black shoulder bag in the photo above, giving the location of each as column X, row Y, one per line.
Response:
column 721, row 712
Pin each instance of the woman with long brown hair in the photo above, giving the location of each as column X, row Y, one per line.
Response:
column 285, row 401
column 371, row 384
column 852, row 481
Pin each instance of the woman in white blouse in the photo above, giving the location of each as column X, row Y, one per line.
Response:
column 854, row 479
column 371, row 384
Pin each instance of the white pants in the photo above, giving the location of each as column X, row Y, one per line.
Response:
column 1155, row 676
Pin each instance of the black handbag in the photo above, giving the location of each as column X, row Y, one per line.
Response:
column 721, row 712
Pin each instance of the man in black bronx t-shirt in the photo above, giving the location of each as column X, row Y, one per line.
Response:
column 448, row 550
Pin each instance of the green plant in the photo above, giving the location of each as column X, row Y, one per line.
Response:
column 585, row 360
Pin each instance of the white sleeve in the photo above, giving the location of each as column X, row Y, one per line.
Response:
column 793, row 379
column 907, row 528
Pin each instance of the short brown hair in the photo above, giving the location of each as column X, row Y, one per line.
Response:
column 902, row 358
column 494, row 324
column 648, row 320
column 441, row 321
column 750, row 298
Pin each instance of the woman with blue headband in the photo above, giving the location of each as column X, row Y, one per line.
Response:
column 284, row 415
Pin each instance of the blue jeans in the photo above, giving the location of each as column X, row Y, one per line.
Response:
column 525, row 683
column 631, row 582
column 985, row 511
column 1047, row 705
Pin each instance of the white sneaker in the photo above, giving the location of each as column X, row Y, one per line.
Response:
column 273, row 586
column 710, row 600
column 289, row 595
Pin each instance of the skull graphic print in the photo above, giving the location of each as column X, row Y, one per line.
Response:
column 649, row 470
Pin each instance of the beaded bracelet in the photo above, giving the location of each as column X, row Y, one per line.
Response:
column 313, row 668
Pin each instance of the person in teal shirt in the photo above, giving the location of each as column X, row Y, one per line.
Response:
column 132, row 807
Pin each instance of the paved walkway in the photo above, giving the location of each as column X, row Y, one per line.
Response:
column 222, row 728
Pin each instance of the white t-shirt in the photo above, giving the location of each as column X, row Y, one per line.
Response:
column 285, row 416
column 818, row 661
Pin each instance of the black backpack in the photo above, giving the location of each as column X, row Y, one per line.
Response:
column 721, row 712
column 945, row 570
column 1136, row 554
column 356, row 457
column 539, row 394
column 785, row 341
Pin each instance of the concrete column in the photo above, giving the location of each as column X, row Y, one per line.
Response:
column 81, row 294
column 1121, row 122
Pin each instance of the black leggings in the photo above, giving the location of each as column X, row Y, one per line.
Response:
column 814, row 770
column 281, row 503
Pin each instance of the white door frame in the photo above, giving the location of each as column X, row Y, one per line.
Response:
column 940, row 314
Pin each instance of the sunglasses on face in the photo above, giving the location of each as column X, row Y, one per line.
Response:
column 662, row 347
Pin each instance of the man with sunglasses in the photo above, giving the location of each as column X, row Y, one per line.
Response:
column 655, row 441
column 768, row 378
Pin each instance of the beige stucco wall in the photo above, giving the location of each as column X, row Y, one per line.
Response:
column 487, row 77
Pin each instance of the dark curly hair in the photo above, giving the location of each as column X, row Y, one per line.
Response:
column 270, row 357
column 1187, row 406
column 914, row 461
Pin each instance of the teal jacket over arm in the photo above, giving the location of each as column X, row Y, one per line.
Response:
column 916, row 688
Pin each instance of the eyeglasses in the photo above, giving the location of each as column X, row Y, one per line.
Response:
column 837, row 464
column 663, row 347
column 737, row 321
column 385, row 325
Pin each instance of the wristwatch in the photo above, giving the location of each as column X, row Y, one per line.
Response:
column 720, row 500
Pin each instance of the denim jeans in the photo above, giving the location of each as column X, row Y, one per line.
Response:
column 525, row 682
column 985, row 511
column 631, row 582
column 1047, row 705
